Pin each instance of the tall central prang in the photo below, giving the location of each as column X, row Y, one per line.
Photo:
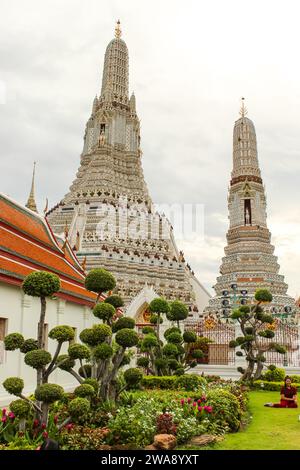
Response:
column 108, row 214
column 249, row 261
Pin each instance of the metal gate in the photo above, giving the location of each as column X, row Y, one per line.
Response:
column 220, row 335
column 286, row 335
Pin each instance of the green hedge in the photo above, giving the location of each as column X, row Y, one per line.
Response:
column 173, row 382
column 271, row 386
column 163, row 383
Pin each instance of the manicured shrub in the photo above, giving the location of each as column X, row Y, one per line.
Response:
column 274, row 375
column 197, row 354
column 143, row 362
column 103, row 351
column 178, row 311
column 100, row 280
column 93, row 382
column 295, row 379
column 154, row 319
column 68, row 363
column 226, row 408
column 62, row 333
column 160, row 363
column 173, row 364
column 20, row 408
column 133, row 377
column 78, row 351
column 170, row 350
column 147, row 329
column 37, row 358
column 123, row 322
column 104, row 311
column 49, row 393
column 189, row 337
column 84, row 390
column 115, row 300
column 41, row 284
column 175, row 338
column 163, row 383
column 159, row 305
column 263, row 295
column 173, row 329
column 127, row 338
column 79, row 407
column 29, row 345
column 233, row 343
column 87, row 368
column 150, row 341
column 95, row 335
column 13, row 341
column 13, row 385
column 272, row 386
column 190, row 382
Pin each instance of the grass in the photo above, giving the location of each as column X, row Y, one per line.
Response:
column 269, row 429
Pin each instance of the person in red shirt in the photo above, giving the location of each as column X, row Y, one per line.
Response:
column 288, row 396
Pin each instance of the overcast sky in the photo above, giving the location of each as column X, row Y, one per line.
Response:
column 190, row 63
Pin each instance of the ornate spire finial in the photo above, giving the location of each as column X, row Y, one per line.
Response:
column 31, row 200
column 243, row 110
column 118, row 31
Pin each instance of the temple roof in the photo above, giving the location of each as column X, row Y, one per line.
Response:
column 28, row 244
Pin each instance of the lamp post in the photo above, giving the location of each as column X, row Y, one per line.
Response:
column 231, row 300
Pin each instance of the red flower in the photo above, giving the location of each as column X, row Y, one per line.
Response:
column 4, row 419
column 182, row 401
column 200, row 408
column 208, row 409
column 35, row 423
column 43, row 425
column 69, row 427
column 194, row 404
column 189, row 400
column 203, row 398
column 45, row 434
column 11, row 415
column 4, row 412
column 199, row 401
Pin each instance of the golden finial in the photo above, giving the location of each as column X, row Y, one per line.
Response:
column 243, row 110
column 31, row 204
column 118, row 31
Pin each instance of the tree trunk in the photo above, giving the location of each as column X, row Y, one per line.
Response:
column 45, row 408
column 41, row 339
column 259, row 370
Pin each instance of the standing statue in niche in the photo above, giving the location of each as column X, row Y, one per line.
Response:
column 247, row 217
column 102, row 138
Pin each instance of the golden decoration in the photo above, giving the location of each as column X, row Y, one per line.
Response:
column 118, row 31
column 210, row 323
column 243, row 110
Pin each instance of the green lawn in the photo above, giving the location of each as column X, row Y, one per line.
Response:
column 269, row 429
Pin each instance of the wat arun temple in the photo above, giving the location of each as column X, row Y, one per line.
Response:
column 108, row 215
column 109, row 188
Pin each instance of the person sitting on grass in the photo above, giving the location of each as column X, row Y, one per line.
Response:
column 288, row 396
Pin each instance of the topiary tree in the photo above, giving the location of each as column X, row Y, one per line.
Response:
column 159, row 306
column 99, row 280
column 254, row 326
column 178, row 312
column 174, row 357
column 41, row 284
column 47, row 394
column 115, row 300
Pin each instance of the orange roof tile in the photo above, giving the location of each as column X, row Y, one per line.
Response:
column 27, row 244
